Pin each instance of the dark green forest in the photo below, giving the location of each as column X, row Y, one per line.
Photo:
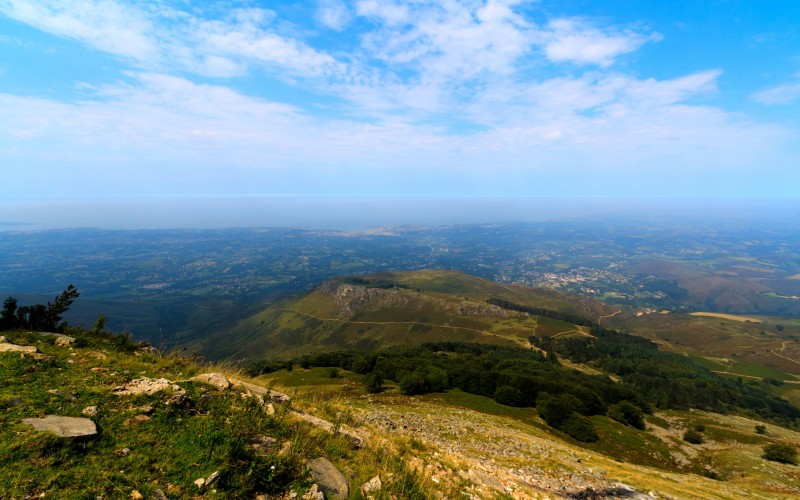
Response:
column 563, row 397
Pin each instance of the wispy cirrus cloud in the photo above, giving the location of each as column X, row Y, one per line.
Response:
column 161, row 36
column 578, row 41
column 109, row 26
column 780, row 94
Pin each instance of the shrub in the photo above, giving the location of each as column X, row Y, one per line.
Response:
column 413, row 383
column 361, row 366
column 700, row 428
column 373, row 383
column 761, row 429
column 580, row 428
column 555, row 410
column 781, row 452
column 692, row 436
column 627, row 413
column 509, row 396
column 333, row 373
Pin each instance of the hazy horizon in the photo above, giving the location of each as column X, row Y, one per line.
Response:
column 359, row 213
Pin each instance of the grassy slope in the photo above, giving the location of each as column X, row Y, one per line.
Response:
column 146, row 443
column 770, row 348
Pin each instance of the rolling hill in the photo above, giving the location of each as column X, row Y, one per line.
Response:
column 401, row 308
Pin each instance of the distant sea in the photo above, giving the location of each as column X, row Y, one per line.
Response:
column 370, row 212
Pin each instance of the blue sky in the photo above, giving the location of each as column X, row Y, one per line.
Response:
column 147, row 99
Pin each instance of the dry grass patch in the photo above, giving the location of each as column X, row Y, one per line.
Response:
column 732, row 317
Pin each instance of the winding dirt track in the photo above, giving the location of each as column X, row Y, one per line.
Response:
column 600, row 319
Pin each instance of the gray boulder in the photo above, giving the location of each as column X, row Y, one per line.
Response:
column 330, row 480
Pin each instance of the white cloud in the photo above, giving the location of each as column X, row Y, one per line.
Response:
column 575, row 41
column 333, row 14
column 447, row 39
column 155, row 36
column 104, row 24
column 782, row 94
column 387, row 11
column 162, row 120
column 457, row 88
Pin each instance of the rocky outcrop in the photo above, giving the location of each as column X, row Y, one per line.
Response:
column 67, row 427
column 349, row 299
column 332, row 482
column 217, row 380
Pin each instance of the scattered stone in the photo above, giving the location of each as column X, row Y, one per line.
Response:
column 217, row 380
column 286, row 449
column 313, row 493
column 62, row 394
column 200, row 482
column 479, row 477
column 136, row 495
column 61, row 339
column 261, row 392
column 270, row 409
column 181, row 401
column 63, row 426
column 64, row 340
column 147, row 386
column 3, row 339
column 263, row 445
column 124, row 452
column 356, row 438
column 213, row 478
column 279, row 397
column 6, row 347
column 89, row 411
column 332, row 482
column 158, row 495
column 371, row 486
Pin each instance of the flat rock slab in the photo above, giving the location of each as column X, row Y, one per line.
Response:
column 145, row 385
column 63, row 426
column 330, row 480
column 6, row 347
